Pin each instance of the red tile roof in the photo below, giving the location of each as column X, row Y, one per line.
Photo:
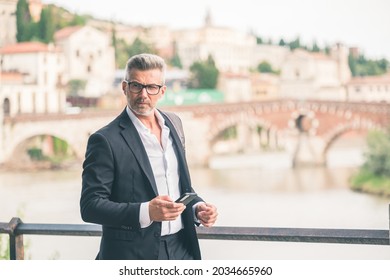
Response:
column 383, row 79
column 25, row 47
column 66, row 32
column 11, row 77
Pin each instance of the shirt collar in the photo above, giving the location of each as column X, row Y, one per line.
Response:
column 139, row 125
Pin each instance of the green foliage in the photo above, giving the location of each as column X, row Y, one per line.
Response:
column 282, row 42
column 360, row 66
column 60, row 146
column 24, row 24
column 377, row 158
column 52, row 19
column 374, row 175
column 315, row 47
column 4, row 247
column 265, row 67
column 63, row 18
column 46, row 25
column 138, row 47
column 365, row 181
column 75, row 87
column 175, row 61
column 124, row 51
column 35, row 153
column 229, row 133
column 121, row 55
column 204, row 74
column 295, row 44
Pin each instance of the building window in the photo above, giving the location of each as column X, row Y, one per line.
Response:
column 6, row 107
column 19, row 103
column 34, row 103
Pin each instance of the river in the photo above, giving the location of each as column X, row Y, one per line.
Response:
column 255, row 196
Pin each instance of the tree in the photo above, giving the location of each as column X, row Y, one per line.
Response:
column 295, row 44
column 378, row 155
column 46, row 25
column 24, row 23
column 265, row 67
column 360, row 66
column 259, row 40
column 175, row 61
column 114, row 42
column 315, row 47
column 138, row 47
column 204, row 74
column 76, row 86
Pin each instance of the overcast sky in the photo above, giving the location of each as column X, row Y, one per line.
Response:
column 358, row 23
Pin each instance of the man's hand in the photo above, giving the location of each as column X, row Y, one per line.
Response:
column 162, row 208
column 207, row 214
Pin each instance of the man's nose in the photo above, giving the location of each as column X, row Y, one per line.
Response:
column 143, row 92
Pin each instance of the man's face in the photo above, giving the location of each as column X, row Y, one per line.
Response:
column 142, row 103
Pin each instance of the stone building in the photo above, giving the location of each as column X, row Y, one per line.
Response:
column 31, row 79
column 90, row 57
column 7, row 22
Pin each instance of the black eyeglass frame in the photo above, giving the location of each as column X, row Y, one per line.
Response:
column 143, row 87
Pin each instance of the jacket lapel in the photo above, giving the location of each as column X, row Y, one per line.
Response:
column 184, row 172
column 134, row 142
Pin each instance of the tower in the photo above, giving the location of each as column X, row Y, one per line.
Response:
column 7, row 22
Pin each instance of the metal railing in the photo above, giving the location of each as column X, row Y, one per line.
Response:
column 16, row 229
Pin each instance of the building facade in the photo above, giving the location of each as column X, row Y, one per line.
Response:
column 369, row 89
column 307, row 75
column 32, row 79
column 90, row 57
column 232, row 51
column 7, row 22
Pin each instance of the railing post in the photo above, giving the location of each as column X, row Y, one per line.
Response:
column 16, row 247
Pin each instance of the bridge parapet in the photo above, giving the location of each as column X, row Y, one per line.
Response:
column 283, row 122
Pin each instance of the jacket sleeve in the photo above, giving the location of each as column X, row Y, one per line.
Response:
column 97, row 184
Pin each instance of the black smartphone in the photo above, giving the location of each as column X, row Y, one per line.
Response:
column 186, row 198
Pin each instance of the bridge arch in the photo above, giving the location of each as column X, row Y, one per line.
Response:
column 253, row 131
column 364, row 125
column 23, row 138
column 41, row 148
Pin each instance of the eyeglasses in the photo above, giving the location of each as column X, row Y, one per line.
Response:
column 151, row 89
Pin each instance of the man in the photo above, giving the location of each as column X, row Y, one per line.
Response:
column 134, row 170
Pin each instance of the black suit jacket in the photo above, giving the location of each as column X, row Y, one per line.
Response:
column 117, row 177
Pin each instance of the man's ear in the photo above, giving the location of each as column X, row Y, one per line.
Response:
column 163, row 89
column 124, row 84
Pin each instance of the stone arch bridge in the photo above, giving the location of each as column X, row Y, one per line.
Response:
column 305, row 129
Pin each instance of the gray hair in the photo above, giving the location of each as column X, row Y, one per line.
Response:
column 144, row 62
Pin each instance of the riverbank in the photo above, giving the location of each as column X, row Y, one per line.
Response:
column 364, row 181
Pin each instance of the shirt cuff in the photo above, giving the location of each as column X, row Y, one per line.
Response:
column 144, row 218
column 194, row 211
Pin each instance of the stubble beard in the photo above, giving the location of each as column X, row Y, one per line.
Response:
column 141, row 111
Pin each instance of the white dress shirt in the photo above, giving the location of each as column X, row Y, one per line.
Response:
column 165, row 168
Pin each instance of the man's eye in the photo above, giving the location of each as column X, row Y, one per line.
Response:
column 137, row 85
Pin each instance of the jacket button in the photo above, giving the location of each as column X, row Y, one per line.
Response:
column 156, row 234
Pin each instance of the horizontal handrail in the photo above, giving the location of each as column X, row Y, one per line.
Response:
column 316, row 235
column 16, row 229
